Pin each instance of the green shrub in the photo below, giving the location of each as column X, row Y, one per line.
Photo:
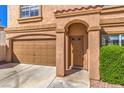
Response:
column 112, row 64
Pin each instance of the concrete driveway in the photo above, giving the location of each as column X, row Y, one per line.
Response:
column 13, row 75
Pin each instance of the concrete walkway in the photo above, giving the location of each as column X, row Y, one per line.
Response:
column 14, row 75
column 79, row 79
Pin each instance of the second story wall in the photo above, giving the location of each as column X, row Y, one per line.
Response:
column 47, row 14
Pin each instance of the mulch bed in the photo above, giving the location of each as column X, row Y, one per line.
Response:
column 100, row 84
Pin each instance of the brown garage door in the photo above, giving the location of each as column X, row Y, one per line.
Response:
column 40, row 52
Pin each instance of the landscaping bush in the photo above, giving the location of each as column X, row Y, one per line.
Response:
column 112, row 64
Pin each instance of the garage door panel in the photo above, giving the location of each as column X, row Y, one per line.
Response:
column 26, row 57
column 43, row 58
column 51, row 46
column 40, row 52
column 50, row 51
column 38, row 46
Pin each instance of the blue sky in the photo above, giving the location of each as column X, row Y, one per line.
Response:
column 3, row 15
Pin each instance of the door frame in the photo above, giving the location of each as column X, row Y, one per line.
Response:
column 67, row 51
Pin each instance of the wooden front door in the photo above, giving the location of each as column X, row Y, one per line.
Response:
column 76, row 46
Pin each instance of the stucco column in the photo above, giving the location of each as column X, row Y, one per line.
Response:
column 94, row 45
column 8, row 50
column 60, row 53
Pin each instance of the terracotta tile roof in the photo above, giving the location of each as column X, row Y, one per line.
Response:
column 77, row 8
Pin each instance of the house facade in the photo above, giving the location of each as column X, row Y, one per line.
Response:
column 65, row 36
column 2, row 44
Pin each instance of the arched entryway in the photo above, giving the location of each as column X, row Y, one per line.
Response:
column 76, row 46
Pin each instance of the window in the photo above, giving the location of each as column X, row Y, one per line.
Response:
column 29, row 10
column 122, row 40
column 104, row 40
column 112, row 39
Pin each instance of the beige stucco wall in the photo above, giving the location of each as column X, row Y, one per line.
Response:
column 112, row 19
column 91, row 20
column 112, row 12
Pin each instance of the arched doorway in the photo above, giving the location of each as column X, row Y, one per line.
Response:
column 77, row 44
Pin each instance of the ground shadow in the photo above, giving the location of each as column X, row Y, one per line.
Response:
column 8, row 65
column 3, row 62
column 72, row 71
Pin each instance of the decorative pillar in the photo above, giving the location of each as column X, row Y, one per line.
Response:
column 94, row 46
column 60, row 53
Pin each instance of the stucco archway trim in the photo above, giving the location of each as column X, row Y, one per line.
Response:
column 76, row 21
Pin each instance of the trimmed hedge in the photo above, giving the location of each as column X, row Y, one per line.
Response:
column 112, row 64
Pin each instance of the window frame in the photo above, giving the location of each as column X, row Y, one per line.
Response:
column 30, row 11
column 109, row 36
column 30, row 18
